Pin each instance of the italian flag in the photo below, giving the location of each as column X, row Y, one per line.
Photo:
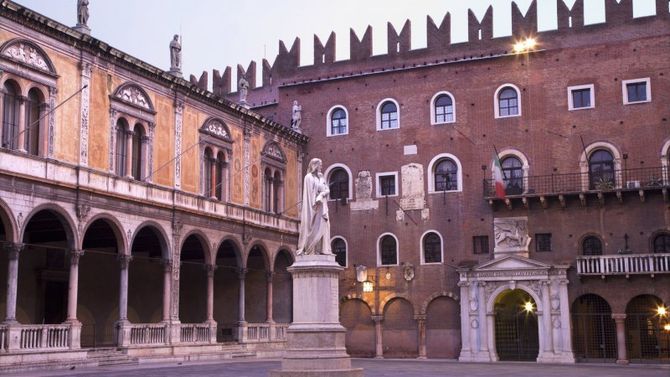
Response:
column 498, row 177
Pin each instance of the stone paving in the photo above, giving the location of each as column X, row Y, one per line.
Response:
column 373, row 368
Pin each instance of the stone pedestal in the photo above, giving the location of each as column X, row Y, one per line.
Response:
column 315, row 339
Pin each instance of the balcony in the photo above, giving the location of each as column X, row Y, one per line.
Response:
column 630, row 264
column 583, row 186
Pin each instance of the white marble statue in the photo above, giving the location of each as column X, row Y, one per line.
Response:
column 175, row 53
column 243, row 88
column 296, row 116
column 82, row 12
column 314, row 224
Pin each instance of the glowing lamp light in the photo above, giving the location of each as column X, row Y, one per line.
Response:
column 666, row 327
column 524, row 46
column 528, row 307
column 368, row 286
column 662, row 311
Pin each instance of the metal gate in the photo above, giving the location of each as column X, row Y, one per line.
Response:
column 516, row 331
column 593, row 329
column 646, row 338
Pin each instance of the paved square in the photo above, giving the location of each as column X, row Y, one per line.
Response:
column 373, row 368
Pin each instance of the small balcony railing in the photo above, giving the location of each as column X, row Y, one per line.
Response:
column 196, row 333
column 576, row 183
column 628, row 264
column 148, row 334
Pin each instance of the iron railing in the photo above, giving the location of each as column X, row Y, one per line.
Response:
column 554, row 184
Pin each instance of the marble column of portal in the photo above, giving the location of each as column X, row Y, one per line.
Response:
column 547, row 328
column 20, row 138
column 620, row 321
column 73, row 285
column 241, row 275
column 379, row 347
column 13, row 251
column 167, row 282
column 421, row 323
column 129, row 153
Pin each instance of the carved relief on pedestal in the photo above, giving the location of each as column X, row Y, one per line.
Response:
column 363, row 188
column 511, row 235
column 413, row 194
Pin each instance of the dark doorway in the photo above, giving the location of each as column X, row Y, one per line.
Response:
column 516, row 328
column 593, row 329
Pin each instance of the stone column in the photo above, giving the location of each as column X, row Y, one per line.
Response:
column 73, row 286
column 167, row 282
column 546, row 326
column 242, row 331
column 20, row 138
column 210, row 268
column 379, row 345
column 620, row 321
column 73, row 290
column 2, row 104
column 129, row 153
column 270, row 276
column 13, row 250
column 421, row 323
column 212, row 183
column 122, row 324
column 42, row 140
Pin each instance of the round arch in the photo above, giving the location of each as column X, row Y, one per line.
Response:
column 115, row 225
column 589, row 150
column 328, row 115
column 237, row 249
column 260, row 244
column 285, row 250
column 525, row 165
column 346, row 246
column 490, row 304
column 379, row 250
column 162, row 237
column 9, row 222
column 379, row 115
column 427, row 301
column 204, row 242
column 431, row 175
column 432, row 107
column 63, row 216
column 387, row 300
column 665, row 161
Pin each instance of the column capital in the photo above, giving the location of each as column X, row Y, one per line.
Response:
column 169, row 264
column 420, row 317
column 210, row 269
column 75, row 255
column 377, row 318
column 13, row 249
column 618, row 317
column 242, row 272
column 269, row 275
column 124, row 260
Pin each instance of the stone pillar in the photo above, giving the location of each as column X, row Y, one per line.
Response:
column 21, row 136
column 421, row 323
column 210, row 268
column 466, row 349
column 620, row 321
column 564, row 323
column 2, row 104
column 122, row 325
column 379, row 344
column 546, row 329
column 270, row 319
column 315, row 344
column 73, row 289
column 242, row 331
column 13, row 251
column 167, row 282
column 212, row 183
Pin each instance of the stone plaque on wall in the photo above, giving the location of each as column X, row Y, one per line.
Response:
column 511, row 235
column 363, row 188
column 413, row 194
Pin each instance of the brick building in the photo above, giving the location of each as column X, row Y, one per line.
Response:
column 188, row 229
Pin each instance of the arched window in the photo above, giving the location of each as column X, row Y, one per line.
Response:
column 444, row 109
column 10, row 115
column 512, row 170
column 339, row 248
column 662, row 243
column 388, row 116
column 601, row 170
column 121, row 147
column 508, row 102
column 338, row 122
column 339, row 184
column 137, row 140
column 388, row 250
column 446, row 175
column 33, row 130
column 208, row 167
column 592, row 245
column 432, row 248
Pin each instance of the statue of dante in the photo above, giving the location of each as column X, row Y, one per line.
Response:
column 314, row 225
column 82, row 12
column 175, row 54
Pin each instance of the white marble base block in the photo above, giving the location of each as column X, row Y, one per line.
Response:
column 315, row 339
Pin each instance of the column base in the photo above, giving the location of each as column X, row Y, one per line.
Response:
column 476, row 357
column 623, row 362
column 556, row 358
